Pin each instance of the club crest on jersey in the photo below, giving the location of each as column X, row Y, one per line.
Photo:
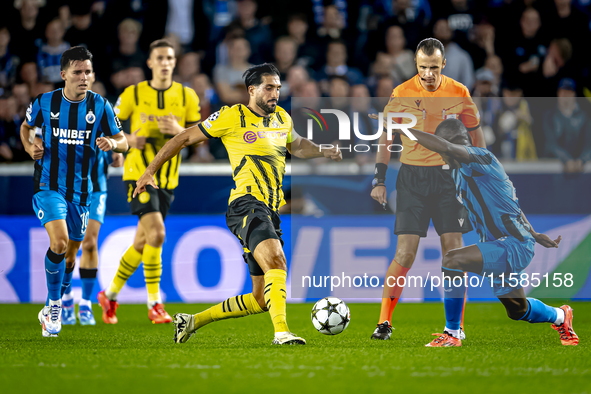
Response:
column 90, row 117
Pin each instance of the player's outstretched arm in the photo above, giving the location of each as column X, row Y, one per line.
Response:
column 306, row 149
column 436, row 144
column 542, row 239
column 190, row 136
column 34, row 149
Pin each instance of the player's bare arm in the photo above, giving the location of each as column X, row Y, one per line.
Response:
column 542, row 239
column 116, row 143
column 306, row 149
column 188, row 137
column 34, row 149
column 446, row 149
column 478, row 138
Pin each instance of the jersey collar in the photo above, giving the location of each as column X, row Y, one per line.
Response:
column 74, row 101
column 160, row 90
column 260, row 116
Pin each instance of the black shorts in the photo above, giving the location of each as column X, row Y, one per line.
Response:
column 152, row 200
column 425, row 193
column 252, row 222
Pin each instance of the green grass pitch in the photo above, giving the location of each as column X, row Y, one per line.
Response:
column 236, row 356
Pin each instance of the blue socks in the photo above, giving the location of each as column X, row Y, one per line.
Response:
column 538, row 312
column 453, row 300
column 88, row 277
column 67, row 281
column 55, row 266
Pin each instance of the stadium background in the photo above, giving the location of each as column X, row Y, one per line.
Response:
column 508, row 53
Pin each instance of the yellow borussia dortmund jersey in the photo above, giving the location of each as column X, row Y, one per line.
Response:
column 146, row 105
column 257, row 148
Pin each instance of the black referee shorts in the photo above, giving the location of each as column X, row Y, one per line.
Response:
column 252, row 222
column 424, row 194
column 152, row 200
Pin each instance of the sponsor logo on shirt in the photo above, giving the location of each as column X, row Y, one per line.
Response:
column 71, row 137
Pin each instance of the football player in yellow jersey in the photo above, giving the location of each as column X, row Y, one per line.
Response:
column 159, row 109
column 257, row 137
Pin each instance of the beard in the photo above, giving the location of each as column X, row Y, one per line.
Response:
column 268, row 108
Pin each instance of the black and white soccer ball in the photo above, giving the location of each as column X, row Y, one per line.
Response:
column 330, row 316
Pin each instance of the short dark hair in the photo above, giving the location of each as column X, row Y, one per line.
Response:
column 254, row 75
column 429, row 45
column 450, row 128
column 297, row 17
column 339, row 78
column 161, row 43
column 74, row 54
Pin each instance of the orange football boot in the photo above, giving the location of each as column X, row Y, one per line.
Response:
column 158, row 315
column 567, row 334
column 109, row 308
column 444, row 340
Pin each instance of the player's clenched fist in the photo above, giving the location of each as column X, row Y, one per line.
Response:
column 333, row 153
column 36, row 151
column 118, row 160
column 106, row 144
column 169, row 125
column 145, row 180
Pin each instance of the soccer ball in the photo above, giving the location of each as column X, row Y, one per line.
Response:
column 331, row 316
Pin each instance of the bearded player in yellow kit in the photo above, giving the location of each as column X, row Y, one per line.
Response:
column 257, row 137
column 159, row 110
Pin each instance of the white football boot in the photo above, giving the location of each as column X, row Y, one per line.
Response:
column 288, row 338
column 45, row 320
column 184, row 327
column 53, row 323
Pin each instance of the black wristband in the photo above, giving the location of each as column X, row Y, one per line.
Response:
column 380, row 172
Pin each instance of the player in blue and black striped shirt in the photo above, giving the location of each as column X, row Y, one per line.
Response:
column 75, row 123
column 507, row 239
column 89, row 258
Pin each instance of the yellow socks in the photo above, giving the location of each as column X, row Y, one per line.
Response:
column 130, row 260
column 239, row 306
column 275, row 298
column 152, row 272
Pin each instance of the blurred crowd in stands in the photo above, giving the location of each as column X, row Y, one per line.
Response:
column 509, row 53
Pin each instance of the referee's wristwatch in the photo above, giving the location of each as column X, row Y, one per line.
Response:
column 378, row 182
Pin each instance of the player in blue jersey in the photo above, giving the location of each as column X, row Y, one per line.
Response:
column 507, row 239
column 89, row 260
column 75, row 123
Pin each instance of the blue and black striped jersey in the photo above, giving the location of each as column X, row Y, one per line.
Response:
column 484, row 188
column 69, row 130
column 98, row 174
